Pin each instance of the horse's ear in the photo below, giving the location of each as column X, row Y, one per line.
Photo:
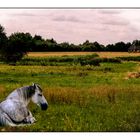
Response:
column 33, row 85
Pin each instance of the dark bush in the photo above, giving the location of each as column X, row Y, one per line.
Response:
column 130, row 58
column 94, row 62
column 111, row 60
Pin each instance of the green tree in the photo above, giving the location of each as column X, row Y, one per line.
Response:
column 110, row 47
column 18, row 46
column 3, row 37
column 136, row 42
column 64, row 46
column 91, row 46
column 98, row 47
column 120, row 47
column 39, row 44
column 52, row 45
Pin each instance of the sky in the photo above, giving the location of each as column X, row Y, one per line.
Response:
column 74, row 25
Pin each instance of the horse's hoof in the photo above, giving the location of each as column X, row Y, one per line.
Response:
column 33, row 120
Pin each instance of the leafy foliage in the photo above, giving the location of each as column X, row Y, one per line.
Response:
column 130, row 58
column 17, row 46
column 3, row 39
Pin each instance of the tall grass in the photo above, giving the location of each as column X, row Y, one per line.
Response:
column 89, row 110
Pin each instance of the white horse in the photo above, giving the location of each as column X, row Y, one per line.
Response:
column 13, row 110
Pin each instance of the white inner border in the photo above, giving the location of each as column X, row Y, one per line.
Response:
column 70, row 136
column 71, row 4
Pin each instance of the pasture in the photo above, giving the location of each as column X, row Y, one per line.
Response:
column 81, row 98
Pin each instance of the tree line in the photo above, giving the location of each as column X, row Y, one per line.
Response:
column 16, row 45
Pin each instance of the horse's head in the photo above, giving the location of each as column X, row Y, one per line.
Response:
column 38, row 97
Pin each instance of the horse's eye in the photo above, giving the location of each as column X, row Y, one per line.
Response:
column 39, row 94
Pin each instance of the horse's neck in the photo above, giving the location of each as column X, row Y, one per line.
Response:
column 18, row 95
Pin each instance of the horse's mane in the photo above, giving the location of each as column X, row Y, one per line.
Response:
column 27, row 91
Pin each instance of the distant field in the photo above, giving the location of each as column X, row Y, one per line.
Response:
column 101, row 54
column 45, row 54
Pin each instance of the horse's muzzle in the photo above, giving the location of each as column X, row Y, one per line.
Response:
column 44, row 106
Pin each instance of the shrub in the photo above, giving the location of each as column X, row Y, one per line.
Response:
column 94, row 62
column 130, row 58
column 111, row 60
column 17, row 46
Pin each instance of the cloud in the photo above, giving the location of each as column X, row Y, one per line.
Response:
column 117, row 22
column 64, row 18
column 112, row 18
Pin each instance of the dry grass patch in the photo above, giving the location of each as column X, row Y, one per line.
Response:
column 116, row 54
column 65, row 95
column 132, row 75
column 47, row 54
column 83, row 97
column 2, row 93
column 101, row 54
column 105, row 92
column 113, row 93
column 2, row 89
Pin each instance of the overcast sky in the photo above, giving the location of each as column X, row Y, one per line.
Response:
column 75, row 25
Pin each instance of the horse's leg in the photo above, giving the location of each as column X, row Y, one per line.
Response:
column 5, row 120
column 30, row 119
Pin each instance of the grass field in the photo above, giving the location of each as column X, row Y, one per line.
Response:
column 81, row 98
column 101, row 54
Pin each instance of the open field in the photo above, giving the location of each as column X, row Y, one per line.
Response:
column 101, row 54
column 81, row 98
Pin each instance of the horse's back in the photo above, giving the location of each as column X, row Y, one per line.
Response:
column 13, row 95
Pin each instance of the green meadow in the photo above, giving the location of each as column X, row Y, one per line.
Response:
column 82, row 98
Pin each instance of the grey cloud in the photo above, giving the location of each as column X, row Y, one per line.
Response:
column 116, row 22
column 69, row 18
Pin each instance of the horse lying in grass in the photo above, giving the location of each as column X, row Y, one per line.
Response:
column 13, row 110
